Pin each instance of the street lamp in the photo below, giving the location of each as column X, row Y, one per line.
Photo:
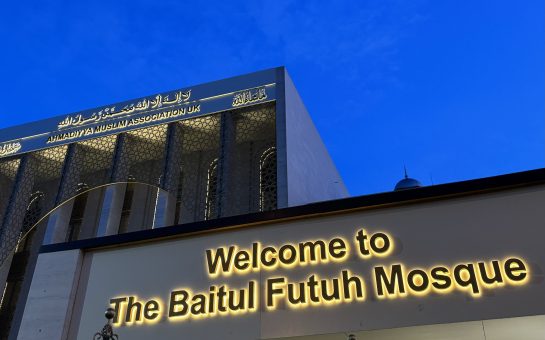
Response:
column 107, row 332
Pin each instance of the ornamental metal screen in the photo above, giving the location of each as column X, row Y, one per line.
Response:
column 253, row 134
column 212, row 166
column 200, row 148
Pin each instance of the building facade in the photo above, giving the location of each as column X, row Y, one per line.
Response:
column 215, row 211
column 213, row 150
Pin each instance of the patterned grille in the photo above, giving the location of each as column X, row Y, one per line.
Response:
column 212, row 190
column 218, row 165
column 8, row 171
column 48, row 174
column 267, row 180
column 254, row 133
column 200, row 143
column 33, row 211
column 39, row 173
column 142, row 156
column 89, row 165
column 174, row 156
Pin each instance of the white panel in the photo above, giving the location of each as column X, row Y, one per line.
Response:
column 51, row 295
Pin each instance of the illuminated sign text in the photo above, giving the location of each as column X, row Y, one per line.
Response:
column 385, row 281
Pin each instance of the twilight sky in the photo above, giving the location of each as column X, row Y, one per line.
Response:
column 453, row 89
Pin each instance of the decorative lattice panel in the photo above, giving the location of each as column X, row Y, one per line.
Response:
column 218, row 165
column 34, row 211
column 267, row 180
column 200, row 143
column 89, row 165
column 49, row 166
column 253, row 135
column 212, row 190
column 38, row 176
column 142, row 156
column 8, row 172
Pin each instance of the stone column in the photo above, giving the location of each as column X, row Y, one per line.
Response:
column 91, row 217
column 62, row 220
column 114, row 198
column 115, row 194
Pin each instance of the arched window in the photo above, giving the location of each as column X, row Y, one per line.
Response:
column 32, row 215
column 267, row 180
column 212, row 190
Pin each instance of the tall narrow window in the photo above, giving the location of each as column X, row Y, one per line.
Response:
column 267, row 180
column 179, row 197
column 78, row 211
column 126, row 210
column 212, row 190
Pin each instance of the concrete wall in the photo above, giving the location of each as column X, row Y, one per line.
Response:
column 311, row 173
column 49, row 303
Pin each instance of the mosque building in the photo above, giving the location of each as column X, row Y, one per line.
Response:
column 215, row 212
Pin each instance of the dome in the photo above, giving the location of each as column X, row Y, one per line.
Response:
column 407, row 183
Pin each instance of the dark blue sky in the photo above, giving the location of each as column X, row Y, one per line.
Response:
column 453, row 89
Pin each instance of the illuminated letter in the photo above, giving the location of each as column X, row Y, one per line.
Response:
column 302, row 293
column 221, row 299
column 358, row 284
column 381, row 280
column 512, row 266
column 270, row 262
column 151, row 310
column 471, row 279
column 330, row 296
column 117, row 304
column 130, row 309
column 496, row 277
column 198, row 304
column 311, row 246
column 337, row 248
column 436, row 274
column 255, row 251
column 385, row 245
column 175, row 302
column 362, row 238
column 211, row 302
column 251, row 294
column 282, row 254
column 271, row 291
column 242, row 260
column 411, row 280
column 219, row 256
column 312, row 284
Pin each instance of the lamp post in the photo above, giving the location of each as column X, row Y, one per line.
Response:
column 107, row 332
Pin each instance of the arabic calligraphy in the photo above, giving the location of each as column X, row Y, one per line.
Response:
column 9, row 148
column 249, row 96
column 109, row 112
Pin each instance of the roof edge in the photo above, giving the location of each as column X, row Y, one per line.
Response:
column 373, row 201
